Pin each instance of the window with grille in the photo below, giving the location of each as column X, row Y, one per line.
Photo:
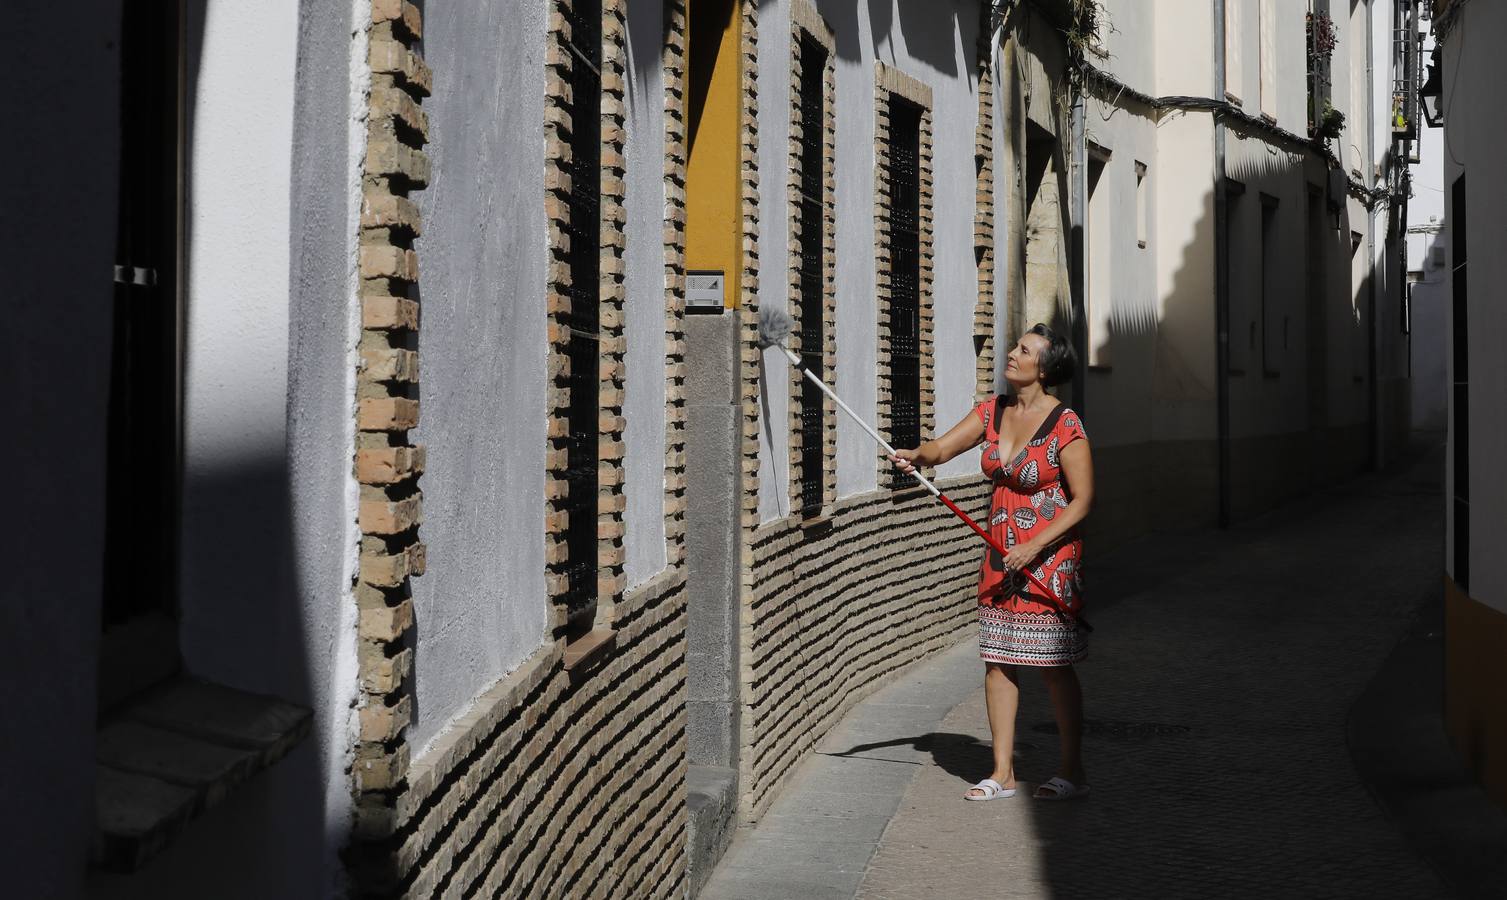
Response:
column 904, row 174
column 583, row 320
column 812, row 267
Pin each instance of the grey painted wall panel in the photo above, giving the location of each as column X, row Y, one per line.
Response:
column 774, row 258
column 481, row 606
column 645, row 304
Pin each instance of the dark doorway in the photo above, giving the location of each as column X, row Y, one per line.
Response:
column 142, row 464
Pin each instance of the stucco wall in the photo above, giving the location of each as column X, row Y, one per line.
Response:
column 480, row 607
column 645, row 305
column 1267, row 396
column 1115, row 412
column 936, row 46
column 238, row 225
column 1184, row 386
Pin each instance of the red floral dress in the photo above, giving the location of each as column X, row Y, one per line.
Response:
column 1015, row 627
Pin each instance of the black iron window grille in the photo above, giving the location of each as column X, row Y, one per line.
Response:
column 583, row 320
column 904, row 172
column 812, row 266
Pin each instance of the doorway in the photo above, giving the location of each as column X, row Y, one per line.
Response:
column 139, row 646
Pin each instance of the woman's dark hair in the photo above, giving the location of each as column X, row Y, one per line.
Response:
column 1058, row 360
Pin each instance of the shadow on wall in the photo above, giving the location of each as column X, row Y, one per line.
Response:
column 925, row 38
column 261, row 536
column 715, row 15
column 915, row 24
column 1297, row 372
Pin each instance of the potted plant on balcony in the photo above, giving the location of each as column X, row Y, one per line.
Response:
column 1331, row 122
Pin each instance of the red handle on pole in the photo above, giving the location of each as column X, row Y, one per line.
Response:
column 1046, row 592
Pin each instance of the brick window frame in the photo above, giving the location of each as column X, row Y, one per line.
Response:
column 675, row 64
column 892, row 88
column 387, row 463
column 585, row 621
column 983, row 211
column 809, row 30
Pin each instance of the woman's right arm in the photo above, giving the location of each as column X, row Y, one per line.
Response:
column 963, row 436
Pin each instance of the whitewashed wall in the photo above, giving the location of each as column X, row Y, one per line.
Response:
column 1116, row 410
column 1182, row 189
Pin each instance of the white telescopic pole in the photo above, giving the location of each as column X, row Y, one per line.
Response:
column 796, row 361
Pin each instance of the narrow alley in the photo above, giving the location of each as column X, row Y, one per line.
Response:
column 584, row 449
column 1226, row 695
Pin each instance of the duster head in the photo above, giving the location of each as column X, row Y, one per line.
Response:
column 775, row 326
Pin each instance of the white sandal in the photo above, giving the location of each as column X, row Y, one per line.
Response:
column 1062, row 788
column 992, row 789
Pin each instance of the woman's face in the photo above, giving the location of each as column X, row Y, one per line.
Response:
column 1023, row 362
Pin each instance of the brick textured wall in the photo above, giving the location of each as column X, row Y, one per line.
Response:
column 554, row 784
column 832, row 610
column 983, row 215
column 748, row 288
column 674, row 62
column 566, row 782
column 387, row 465
column 613, row 344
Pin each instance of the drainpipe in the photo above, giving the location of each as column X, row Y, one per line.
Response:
column 1221, row 279
column 1079, row 244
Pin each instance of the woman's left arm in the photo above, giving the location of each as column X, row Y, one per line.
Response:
column 1078, row 472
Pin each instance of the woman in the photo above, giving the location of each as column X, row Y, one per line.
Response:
column 1037, row 455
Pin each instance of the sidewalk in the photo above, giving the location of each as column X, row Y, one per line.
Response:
column 1218, row 694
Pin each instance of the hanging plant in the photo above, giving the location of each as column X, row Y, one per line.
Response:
column 1322, row 37
column 1083, row 35
column 1331, row 123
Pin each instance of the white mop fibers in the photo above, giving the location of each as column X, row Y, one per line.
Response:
column 774, row 326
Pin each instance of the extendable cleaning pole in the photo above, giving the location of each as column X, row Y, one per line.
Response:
column 774, row 328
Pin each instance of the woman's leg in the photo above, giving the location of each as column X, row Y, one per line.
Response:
column 1001, row 699
column 1067, row 704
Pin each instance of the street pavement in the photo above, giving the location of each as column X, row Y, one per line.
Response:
column 1234, row 681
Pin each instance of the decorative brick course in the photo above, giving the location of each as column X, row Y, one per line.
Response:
column 805, row 20
column 674, row 69
column 386, row 465
column 749, row 382
column 983, row 215
column 830, row 613
column 613, row 343
column 891, row 82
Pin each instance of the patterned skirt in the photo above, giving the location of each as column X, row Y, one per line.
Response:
column 1021, row 638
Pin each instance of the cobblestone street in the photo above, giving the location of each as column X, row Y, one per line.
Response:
column 1218, row 693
